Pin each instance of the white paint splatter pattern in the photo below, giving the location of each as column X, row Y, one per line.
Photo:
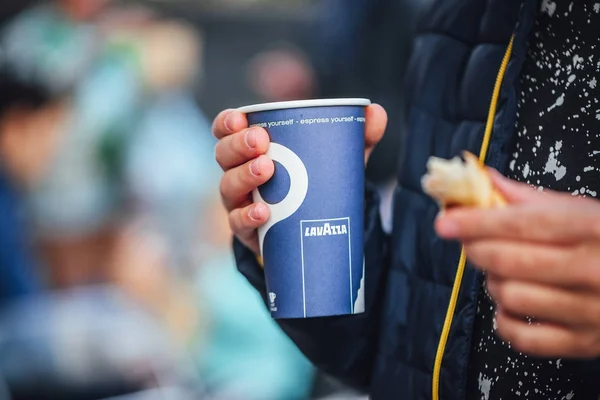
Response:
column 549, row 7
column 556, row 146
column 484, row 386
column 563, row 82
column 553, row 166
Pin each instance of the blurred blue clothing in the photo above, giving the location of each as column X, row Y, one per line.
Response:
column 170, row 158
column 17, row 274
column 246, row 355
column 169, row 169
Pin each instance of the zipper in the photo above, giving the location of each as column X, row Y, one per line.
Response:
column 437, row 367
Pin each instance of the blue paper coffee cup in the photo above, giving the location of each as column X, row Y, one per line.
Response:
column 312, row 245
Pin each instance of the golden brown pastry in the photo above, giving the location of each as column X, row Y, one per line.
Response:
column 461, row 183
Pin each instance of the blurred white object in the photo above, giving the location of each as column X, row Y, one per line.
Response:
column 168, row 52
column 386, row 193
column 81, row 336
column 163, row 393
column 170, row 170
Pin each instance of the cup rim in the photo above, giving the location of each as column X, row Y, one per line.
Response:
column 282, row 105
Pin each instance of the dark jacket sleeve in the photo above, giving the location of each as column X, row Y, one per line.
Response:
column 341, row 346
column 373, row 42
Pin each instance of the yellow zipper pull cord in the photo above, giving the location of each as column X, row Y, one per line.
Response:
column 437, row 367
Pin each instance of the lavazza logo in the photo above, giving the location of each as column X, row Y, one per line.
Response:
column 272, row 297
column 326, row 229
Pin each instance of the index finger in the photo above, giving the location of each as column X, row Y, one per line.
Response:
column 228, row 122
column 553, row 223
column 552, row 265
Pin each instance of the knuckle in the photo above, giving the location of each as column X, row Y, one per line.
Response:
column 593, row 315
column 519, row 229
column 522, row 260
column 218, row 122
column 524, row 342
column 240, row 178
column 475, row 253
column 236, row 222
column 541, row 219
column 224, row 188
column 232, row 224
column 244, row 218
column 509, row 301
column 219, row 156
column 503, row 332
column 594, row 277
column 595, row 350
column 595, row 228
column 588, row 272
column 583, row 345
column 214, row 127
column 593, row 274
column 520, row 225
column 501, row 326
column 498, row 262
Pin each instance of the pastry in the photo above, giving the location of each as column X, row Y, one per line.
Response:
column 461, row 183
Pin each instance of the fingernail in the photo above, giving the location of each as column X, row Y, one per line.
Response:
column 229, row 122
column 255, row 168
column 250, row 138
column 254, row 214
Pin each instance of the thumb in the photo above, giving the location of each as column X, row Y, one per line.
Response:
column 376, row 122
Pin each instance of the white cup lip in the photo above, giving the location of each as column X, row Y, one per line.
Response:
column 282, row 105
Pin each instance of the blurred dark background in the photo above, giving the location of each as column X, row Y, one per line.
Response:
column 116, row 275
column 234, row 36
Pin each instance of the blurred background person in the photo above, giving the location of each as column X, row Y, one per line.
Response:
column 114, row 171
column 60, row 345
column 22, row 113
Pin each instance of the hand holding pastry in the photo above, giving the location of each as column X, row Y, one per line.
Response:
column 540, row 250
